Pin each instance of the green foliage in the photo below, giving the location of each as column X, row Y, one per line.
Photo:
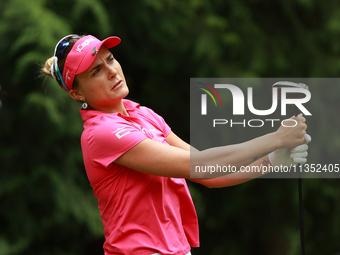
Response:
column 47, row 205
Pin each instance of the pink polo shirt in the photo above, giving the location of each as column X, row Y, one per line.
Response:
column 142, row 214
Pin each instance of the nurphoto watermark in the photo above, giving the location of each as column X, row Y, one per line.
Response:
column 227, row 111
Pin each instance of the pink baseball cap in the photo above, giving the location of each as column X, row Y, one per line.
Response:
column 82, row 55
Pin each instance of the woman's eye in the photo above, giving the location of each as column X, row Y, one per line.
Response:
column 111, row 60
column 97, row 71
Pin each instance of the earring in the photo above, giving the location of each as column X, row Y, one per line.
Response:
column 84, row 105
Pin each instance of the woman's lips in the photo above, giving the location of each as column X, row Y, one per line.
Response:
column 117, row 85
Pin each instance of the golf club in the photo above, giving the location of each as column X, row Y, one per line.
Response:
column 287, row 84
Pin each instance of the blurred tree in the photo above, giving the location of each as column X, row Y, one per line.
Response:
column 48, row 207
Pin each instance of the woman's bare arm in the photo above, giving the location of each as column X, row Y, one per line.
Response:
column 156, row 158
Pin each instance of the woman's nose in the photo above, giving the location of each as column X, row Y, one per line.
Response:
column 112, row 72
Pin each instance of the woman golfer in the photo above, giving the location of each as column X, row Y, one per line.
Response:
column 136, row 165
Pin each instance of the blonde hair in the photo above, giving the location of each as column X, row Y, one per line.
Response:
column 46, row 69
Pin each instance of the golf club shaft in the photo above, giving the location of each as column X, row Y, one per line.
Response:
column 302, row 231
column 287, row 84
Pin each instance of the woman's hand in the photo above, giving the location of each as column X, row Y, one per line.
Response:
column 293, row 133
column 290, row 157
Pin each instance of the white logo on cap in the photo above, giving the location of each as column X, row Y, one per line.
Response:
column 84, row 44
column 66, row 76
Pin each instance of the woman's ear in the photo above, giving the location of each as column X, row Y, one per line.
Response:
column 76, row 94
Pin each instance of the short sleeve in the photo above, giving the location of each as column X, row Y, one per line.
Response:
column 159, row 121
column 108, row 140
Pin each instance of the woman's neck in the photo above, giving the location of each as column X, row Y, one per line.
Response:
column 115, row 108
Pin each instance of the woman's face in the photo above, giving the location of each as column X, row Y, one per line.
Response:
column 103, row 85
